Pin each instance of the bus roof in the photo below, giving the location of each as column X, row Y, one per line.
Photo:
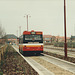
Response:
column 32, row 32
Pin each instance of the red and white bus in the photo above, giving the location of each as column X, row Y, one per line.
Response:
column 31, row 42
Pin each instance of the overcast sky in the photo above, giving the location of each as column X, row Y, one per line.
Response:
column 46, row 16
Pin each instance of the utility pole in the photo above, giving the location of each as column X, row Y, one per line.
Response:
column 27, row 20
column 17, row 38
column 74, row 29
column 65, row 47
column 20, row 30
column 17, row 33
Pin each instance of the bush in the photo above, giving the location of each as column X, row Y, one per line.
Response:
column 61, row 44
column 5, row 54
column 48, row 43
column 71, row 44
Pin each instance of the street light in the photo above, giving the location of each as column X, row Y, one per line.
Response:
column 65, row 47
column 27, row 20
column 20, row 30
column 17, row 33
column 17, row 38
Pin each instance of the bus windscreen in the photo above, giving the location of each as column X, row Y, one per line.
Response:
column 33, row 37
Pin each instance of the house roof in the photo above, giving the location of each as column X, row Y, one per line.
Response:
column 61, row 37
column 47, row 36
column 10, row 36
column 57, row 37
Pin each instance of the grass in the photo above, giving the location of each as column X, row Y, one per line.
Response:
column 3, row 61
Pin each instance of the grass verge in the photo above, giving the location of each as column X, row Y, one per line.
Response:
column 13, row 64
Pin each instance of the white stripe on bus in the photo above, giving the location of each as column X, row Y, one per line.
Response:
column 30, row 44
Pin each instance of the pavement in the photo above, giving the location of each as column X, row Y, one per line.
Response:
column 61, row 63
column 60, row 52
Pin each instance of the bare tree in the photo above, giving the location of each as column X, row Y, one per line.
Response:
column 2, row 34
column 2, row 31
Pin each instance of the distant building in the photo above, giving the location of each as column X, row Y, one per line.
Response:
column 72, row 38
column 11, row 38
column 52, row 39
column 62, row 39
column 47, row 38
column 59, row 39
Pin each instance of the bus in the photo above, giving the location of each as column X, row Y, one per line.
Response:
column 31, row 42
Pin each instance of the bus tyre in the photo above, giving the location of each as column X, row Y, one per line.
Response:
column 38, row 53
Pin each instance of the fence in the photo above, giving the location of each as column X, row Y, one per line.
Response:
column 2, row 50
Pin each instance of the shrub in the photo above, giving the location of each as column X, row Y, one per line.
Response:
column 61, row 44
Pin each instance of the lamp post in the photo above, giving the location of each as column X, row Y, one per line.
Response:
column 17, row 38
column 20, row 30
column 65, row 45
column 17, row 33
column 27, row 20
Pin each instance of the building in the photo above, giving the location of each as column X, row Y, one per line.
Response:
column 52, row 39
column 59, row 39
column 47, row 38
column 72, row 38
column 11, row 38
column 62, row 39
